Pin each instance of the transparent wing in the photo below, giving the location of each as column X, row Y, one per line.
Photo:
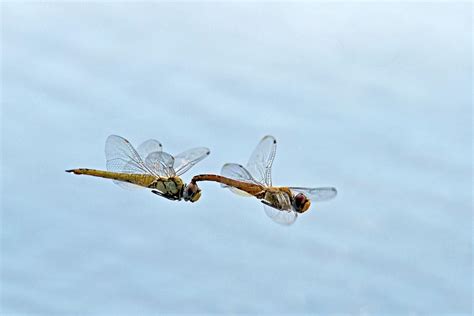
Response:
column 185, row 160
column 127, row 186
column 237, row 172
column 122, row 157
column 278, row 207
column 160, row 163
column 283, row 217
column 317, row 194
column 148, row 147
column 261, row 160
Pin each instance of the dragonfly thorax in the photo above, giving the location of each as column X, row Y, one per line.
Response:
column 278, row 198
column 283, row 199
column 171, row 187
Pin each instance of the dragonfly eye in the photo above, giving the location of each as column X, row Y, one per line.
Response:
column 301, row 203
column 300, row 199
column 192, row 192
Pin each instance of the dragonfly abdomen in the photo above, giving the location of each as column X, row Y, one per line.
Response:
column 250, row 188
column 143, row 180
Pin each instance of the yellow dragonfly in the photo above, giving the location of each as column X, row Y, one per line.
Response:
column 150, row 167
column 281, row 204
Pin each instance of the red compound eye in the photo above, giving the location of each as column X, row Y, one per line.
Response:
column 300, row 200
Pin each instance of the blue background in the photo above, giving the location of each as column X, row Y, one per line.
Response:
column 374, row 99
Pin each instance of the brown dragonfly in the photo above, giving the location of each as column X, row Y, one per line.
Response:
column 281, row 204
column 149, row 167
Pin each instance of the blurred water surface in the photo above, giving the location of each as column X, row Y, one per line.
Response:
column 374, row 99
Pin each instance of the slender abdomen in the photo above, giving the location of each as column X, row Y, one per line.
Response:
column 250, row 188
column 144, row 180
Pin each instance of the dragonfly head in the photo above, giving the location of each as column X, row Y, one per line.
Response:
column 301, row 203
column 191, row 192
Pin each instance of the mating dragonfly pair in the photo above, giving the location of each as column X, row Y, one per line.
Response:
column 148, row 166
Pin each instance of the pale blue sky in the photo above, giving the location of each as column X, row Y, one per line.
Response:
column 374, row 99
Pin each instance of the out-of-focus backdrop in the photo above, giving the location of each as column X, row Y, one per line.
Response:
column 374, row 99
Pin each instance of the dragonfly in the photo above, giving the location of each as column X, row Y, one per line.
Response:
column 148, row 166
column 281, row 204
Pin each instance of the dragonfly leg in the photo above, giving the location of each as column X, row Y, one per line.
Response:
column 165, row 196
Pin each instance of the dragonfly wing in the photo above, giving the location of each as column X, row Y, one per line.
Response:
column 148, row 147
column 317, row 194
column 261, row 160
column 161, row 163
column 127, row 186
column 185, row 160
column 283, row 217
column 123, row 158
column 237, row 172
column 279, row 209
